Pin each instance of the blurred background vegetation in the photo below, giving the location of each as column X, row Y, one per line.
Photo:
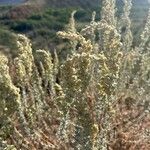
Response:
column 40, row 20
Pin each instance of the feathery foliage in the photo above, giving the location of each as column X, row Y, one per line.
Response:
column 96, row 99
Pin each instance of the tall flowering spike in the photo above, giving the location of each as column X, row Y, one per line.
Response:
column 110, row 45
column 25, row 53
column 47, row 65
column 93, row 36
column 71, row 26
column 145, row 34
column 9, row 94
column 24, row 60
column 72, row 29
column 48, row 70
column 126, row 25
column 56, row 64
column 93, row 16
column 108, row 11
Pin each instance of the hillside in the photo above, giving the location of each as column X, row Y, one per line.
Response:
column 79, row 3
column 40, row 20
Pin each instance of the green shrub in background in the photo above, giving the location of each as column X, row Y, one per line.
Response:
column 7, row 42
column 56, row 19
